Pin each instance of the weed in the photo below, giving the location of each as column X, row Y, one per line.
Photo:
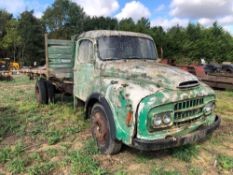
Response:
column 18, row 149
column 41, row 169
column 35, row 156
column 90, row 147
column 186, row 152
column 37, row 129
column 65, row 148
column 82, row 163
column 5, row 155
column 16, row 166
column 161, row 171
column 53, row 137
column 194, row 170
column 72, row 130
column 225, row 162
column 52, row 152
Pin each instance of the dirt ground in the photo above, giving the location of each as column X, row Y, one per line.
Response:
column 55, row 139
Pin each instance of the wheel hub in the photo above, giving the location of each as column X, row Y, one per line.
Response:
column 100, row 128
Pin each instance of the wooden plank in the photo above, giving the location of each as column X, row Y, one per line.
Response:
column 61, row 50
column 58, row 66
column 218, row 79
column 59, row 42
column 60, row 60
column 60, row 56
column 221, row 75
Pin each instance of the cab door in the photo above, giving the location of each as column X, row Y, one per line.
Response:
column 84, row 69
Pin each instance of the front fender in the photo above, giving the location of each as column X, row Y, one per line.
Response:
column 123, row 97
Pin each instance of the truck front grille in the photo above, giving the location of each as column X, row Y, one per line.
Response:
column 188, row 110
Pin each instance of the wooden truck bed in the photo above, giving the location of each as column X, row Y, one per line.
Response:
column 219, row 80
column 59, row 58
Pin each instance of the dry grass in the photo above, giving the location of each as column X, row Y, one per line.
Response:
column 54, row 139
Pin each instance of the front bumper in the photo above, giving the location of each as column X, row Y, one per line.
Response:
column 199, row 135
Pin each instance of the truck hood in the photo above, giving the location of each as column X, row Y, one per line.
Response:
column 139, row 70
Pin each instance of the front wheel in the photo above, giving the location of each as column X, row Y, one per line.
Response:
column 101, row 131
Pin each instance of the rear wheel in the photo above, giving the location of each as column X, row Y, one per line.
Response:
column 101, row 131
column 50, row 91
column 40, row 92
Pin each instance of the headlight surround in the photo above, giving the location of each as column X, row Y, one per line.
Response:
column 162, row 120
column 209, row 108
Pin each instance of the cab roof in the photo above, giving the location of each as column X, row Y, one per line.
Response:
column 100, row 33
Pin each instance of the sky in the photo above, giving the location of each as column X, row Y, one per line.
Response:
column 166, row 13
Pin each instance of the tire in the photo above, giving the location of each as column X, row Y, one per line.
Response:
column 50, row 92
column 229, row 71
column 40, row 92
column 101, row 131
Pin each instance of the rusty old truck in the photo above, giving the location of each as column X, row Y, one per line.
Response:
column 129, row 97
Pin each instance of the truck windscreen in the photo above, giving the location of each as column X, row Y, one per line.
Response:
column 126, row 47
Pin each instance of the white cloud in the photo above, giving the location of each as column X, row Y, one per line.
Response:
column 201, row 8
column 18, row 6
column 98, row 7
column 13, row 6
column 205, row 21
column 134, row 10
column 38, row 14
column 224, row 21
column 168, row 23
column 160, row 8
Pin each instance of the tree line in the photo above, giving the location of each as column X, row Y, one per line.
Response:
column 23, row 37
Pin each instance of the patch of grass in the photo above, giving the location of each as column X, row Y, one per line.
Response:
column 22, row 117
column 35, row 156
column 82, row 161
column 161, row 171
column 18, row 149
column 225, row 162
column 224, row 103
column 194, row 170
column 143, row 158
column 16, row 166
column 53, row 137
column 90, row 147
column 41, row 169
column 186, row 152
column 71, row 130
column 5, row 155
column 52, row 152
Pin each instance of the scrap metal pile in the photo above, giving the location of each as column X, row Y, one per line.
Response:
column 5, row 76
column 216, row 76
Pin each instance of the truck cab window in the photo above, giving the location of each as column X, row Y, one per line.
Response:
column 85, row 51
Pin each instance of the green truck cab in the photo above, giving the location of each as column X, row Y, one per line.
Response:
column 129, row 97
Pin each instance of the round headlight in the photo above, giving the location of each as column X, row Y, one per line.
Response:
column 166, row 119
column 209, row 108
column 157, row 120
